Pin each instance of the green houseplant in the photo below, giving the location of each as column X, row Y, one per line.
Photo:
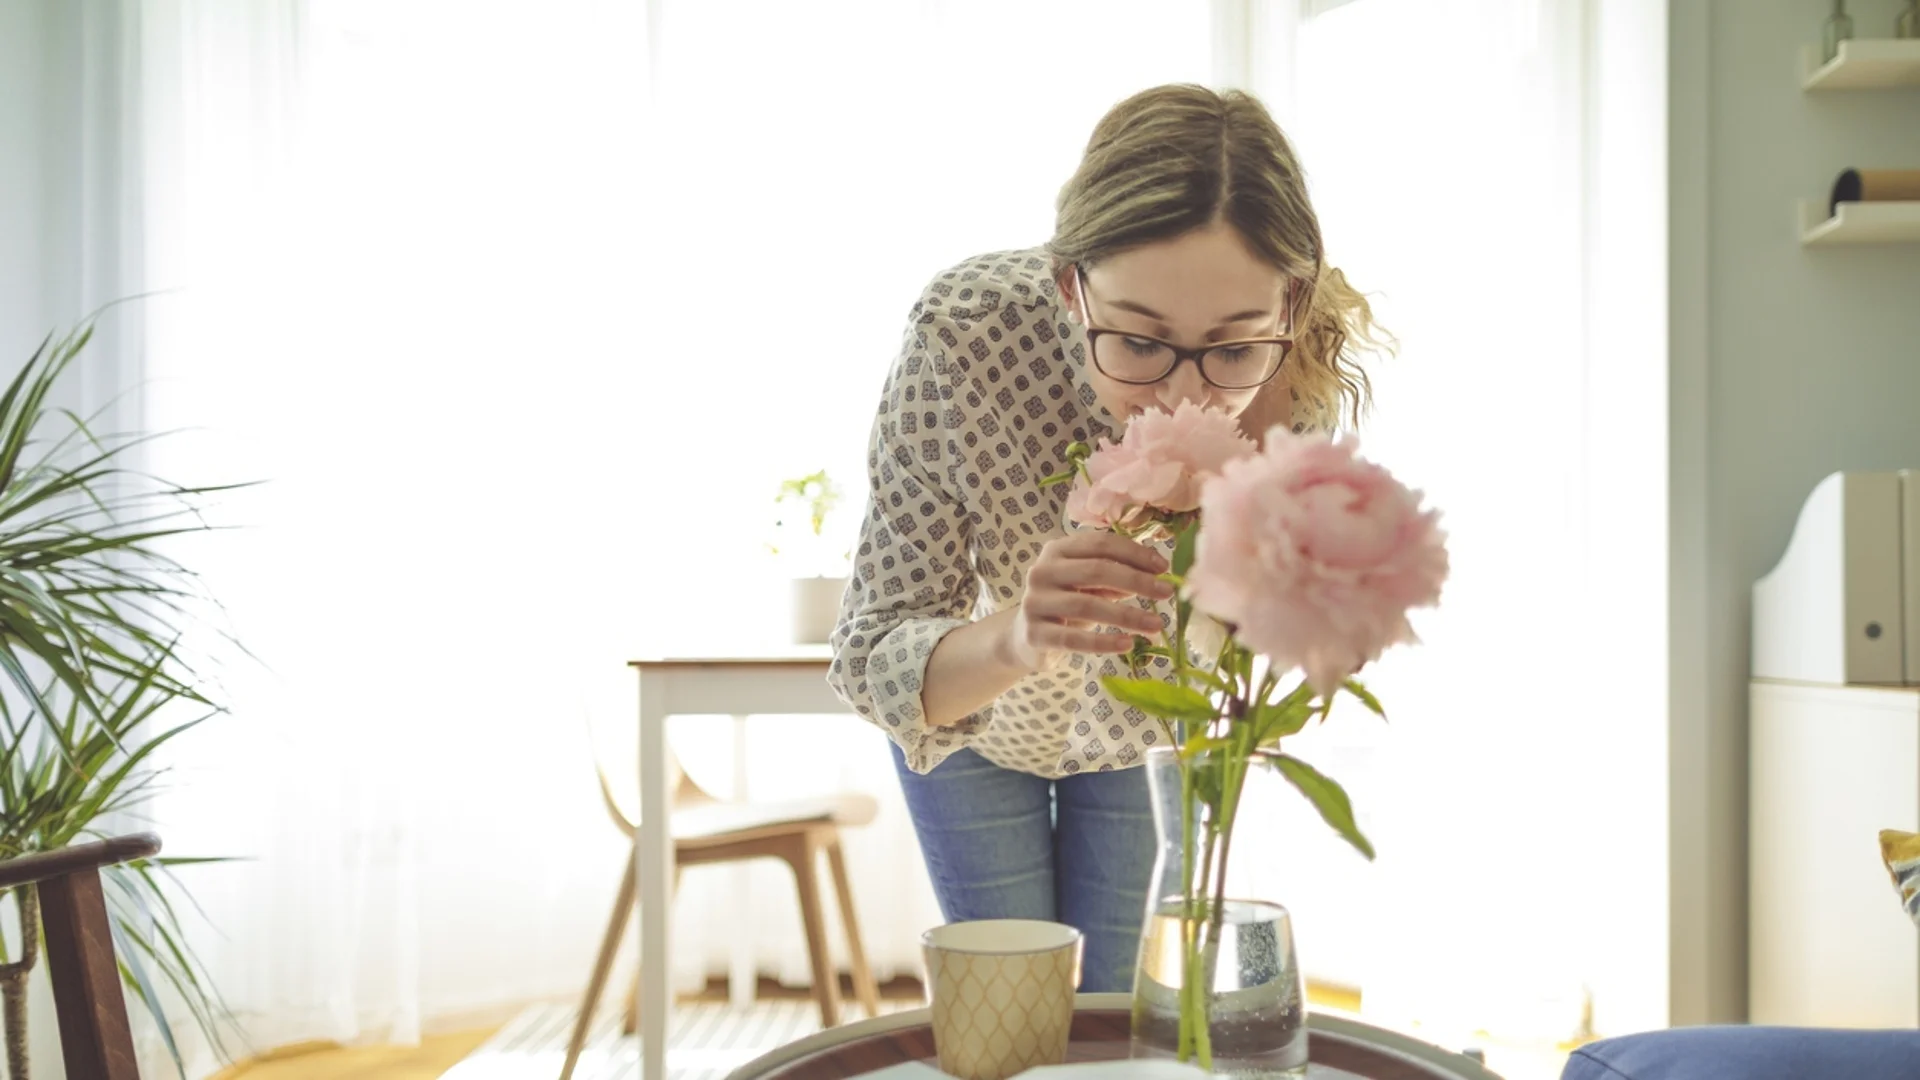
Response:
column 819, row 574
column 94, row 679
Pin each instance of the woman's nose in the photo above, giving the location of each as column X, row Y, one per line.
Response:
column 1183, row 384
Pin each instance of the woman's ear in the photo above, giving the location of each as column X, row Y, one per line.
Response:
column 1063, row 280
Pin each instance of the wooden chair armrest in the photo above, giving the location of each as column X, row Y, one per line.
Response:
column 28, row 869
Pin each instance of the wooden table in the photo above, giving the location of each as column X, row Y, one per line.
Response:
column 769, row 681
column 1337, row 1048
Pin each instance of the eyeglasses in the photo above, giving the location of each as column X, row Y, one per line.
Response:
column 1140, row 360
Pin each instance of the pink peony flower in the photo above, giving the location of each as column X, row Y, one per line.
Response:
column 1315, row 555
column 1160, row 463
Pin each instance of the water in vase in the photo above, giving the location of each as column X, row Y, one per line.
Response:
column 1257, row 1017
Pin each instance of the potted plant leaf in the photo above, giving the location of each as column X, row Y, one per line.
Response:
column 819, row 573
column 94, row 681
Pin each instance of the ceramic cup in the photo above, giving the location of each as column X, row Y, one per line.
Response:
column 1001, row 992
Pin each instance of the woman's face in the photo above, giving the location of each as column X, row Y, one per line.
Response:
column 1198, row 289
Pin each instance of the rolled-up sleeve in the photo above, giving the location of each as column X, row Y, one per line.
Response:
column 913, row 579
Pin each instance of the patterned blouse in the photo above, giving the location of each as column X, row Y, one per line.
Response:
column 987, row 392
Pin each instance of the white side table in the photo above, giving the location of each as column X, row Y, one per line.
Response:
column 772, row 681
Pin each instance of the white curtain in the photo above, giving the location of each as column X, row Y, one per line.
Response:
column 1453, row 154
column 522, row 313
column 405, row 247
column 821, row 163
column 520, row 359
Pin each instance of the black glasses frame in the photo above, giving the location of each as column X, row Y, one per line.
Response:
column 1180, row 354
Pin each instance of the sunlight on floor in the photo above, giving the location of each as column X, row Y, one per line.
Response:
column 428, row 1061
column 1512, row 1060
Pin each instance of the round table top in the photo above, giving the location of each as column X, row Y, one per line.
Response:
column 1337, row 1049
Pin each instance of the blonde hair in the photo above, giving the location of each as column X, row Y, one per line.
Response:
column 1176, row 158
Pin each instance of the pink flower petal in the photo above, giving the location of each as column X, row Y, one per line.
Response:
column 1316, row 555
column 1161, row 463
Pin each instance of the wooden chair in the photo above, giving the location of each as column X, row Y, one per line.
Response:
column 707, row 831
column 95, row 1039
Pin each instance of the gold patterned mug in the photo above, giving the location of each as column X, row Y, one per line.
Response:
column 1001, row 992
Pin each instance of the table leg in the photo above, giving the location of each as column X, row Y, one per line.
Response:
column 742, row 976
column 654, row 849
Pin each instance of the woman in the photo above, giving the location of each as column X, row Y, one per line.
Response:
column 1185, row 265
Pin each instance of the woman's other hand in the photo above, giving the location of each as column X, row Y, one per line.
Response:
column 1082, row 581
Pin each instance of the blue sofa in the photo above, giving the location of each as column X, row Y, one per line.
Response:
column 1750, row 1053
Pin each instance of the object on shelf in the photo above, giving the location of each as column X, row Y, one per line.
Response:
column 1907, row 25
column 1874, row 186
column 1834, row 609
column 1869, row 64
column 1837, row 28
column 1859, row 223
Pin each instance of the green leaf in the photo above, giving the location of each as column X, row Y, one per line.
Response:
column 133, row 973
column 1183, row 545
column 1212, row 681
column 1209, row 784
column 1354, row 687
column 169, row 861
column 1271, row 723
column 92, row 614
column 1298, row 695
column 152, row 927
column 1198, row 746
column 1156, row 698
column 1327, row 797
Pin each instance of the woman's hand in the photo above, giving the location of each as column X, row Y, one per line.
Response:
column 1081, row 581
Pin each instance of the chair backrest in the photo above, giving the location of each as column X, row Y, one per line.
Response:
column 96, row 1041
column 619, row 779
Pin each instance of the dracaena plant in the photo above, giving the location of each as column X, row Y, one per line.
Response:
column 94, row 680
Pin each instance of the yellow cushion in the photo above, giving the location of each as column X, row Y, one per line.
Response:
column 1901, row 852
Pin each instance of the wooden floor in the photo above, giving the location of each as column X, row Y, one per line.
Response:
column 437, row 1055
column 424, row 1062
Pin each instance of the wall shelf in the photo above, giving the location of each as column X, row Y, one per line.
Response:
column 1859, row 223
column 1863, row 64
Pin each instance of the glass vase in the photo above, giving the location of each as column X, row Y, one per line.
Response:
column 1218, row 984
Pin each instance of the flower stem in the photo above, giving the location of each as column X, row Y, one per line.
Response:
column 1189, row 926
column 1230, row 802
column 1202, row 953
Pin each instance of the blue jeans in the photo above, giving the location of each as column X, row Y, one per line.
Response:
column 1001, row 844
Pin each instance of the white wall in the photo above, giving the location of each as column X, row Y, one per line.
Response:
column 32, row 173
column 1788, row 364
column 37, row 168
column 69, row 200
column 64, row 244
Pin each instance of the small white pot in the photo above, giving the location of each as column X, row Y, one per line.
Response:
column 815, row 608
